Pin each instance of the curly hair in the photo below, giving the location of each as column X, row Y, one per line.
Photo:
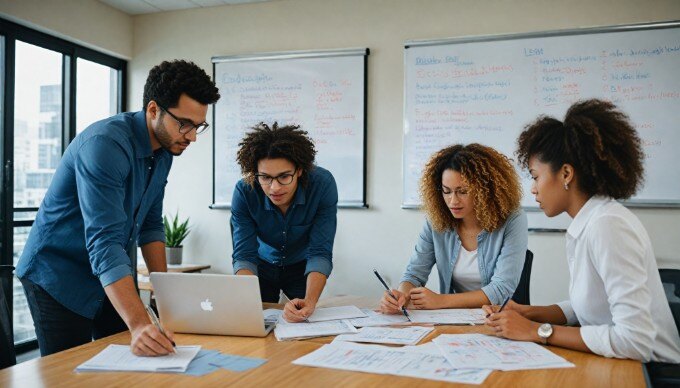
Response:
column 597, row 140
column 491, row 176
column 166, row 83
column 264, row 142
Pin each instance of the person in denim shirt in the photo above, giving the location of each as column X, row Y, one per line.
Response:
column 284, row 217
column 106, row 197
column 475, row 232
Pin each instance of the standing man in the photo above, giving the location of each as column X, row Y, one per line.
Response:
column 283, row 217
column 107, row 195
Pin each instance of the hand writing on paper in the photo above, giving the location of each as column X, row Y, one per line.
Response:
column 390, row 306
column 423, row 298
column 511, row 305
column 510, row 324
column 298, row 310
column 147, row 340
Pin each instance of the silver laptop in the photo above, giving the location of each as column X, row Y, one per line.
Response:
column 210, row 304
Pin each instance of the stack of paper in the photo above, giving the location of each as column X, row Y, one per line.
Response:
column 292, row 331
column 426, row 363
column 120, row 358
column 374, row 318
column 448, row 316
column 335, row 313
column 388, row 335
column 483, row 351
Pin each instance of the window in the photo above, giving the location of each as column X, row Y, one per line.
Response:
column 54, row 88
column 95, row 93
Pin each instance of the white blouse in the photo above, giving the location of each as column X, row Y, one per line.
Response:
column 615, row 292
column 466, row 276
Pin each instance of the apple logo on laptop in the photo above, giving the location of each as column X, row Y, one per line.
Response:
column 206, row 305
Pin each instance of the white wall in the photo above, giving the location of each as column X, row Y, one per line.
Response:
column 383, row 235
column 87, row 22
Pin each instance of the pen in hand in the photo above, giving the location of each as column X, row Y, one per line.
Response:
column 507, row 299
column 403, row 309
column 157, row 323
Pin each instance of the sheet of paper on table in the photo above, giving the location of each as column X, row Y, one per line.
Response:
column 410, row 335
column 121, row 358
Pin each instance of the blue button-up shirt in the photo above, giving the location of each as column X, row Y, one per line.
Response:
column 106, row 194
column 306, row 232
column 500, row 256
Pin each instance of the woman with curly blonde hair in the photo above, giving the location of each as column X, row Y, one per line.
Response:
column 475, row 232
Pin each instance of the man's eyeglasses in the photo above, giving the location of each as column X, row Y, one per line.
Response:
column 460, row 192
column 283, row 179
column 186, row 126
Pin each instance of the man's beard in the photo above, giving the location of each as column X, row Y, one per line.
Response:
column 165, row 139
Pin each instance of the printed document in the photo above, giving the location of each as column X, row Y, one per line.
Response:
column 426, row 364
column 292, row 331
column 448, row 316
column 374, row 318
column 335, row 313
column 388, row 335
column 120, row 358
column 484, row 351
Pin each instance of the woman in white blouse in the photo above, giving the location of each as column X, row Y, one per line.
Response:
column 582, row 166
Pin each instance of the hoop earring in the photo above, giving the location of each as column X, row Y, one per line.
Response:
column 566, row 186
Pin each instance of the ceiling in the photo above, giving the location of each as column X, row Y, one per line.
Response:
column 139, row 7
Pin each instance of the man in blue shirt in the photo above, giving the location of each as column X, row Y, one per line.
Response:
column 283, row 217
column 105, row 197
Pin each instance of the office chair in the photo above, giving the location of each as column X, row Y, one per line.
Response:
column 7, row 355
column 521, row 294
column 662, row 375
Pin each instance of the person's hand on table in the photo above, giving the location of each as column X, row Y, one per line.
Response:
column 511, row 305
column 298, row 310
column 147, row 340
column 423, row 298
column 390, row 306
column 512, row 325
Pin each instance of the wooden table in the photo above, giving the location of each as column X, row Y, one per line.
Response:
column 278, row 371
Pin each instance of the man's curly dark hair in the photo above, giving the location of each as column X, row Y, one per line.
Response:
column 166, row 83
column 597, row 139
column 265, row 142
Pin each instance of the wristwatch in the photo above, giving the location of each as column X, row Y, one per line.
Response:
column 544, row 332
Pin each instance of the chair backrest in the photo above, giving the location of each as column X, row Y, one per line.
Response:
column 521, row 294
column 7, row 355
column 671, row 285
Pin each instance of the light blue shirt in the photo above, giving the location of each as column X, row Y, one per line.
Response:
column 106, row 195
column 500, row 255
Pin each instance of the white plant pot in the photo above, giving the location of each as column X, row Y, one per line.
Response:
column 173, row 255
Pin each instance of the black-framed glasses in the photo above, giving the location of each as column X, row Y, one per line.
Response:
column 283, row 179
column 186, row 126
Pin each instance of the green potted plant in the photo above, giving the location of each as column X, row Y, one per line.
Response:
column 175, row 233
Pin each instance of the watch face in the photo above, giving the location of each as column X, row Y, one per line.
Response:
column 545, row 330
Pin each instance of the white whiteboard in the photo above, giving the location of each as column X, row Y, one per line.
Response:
column 486, row 89
column 324, row 92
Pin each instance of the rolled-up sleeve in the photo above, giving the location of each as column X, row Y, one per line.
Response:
column 568, row 312
column 618, row 258
column 101, row 169
column 422, row 259
column 153, row 229
column 322, row 233
column 510, row 262
column 243, row 232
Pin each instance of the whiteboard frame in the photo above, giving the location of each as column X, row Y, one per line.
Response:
column 277, row 55
column 543, row 34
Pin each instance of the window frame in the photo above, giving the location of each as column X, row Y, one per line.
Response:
column 10, row 32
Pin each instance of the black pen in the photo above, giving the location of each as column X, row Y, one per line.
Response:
column 403, row 309
column 503, row 305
